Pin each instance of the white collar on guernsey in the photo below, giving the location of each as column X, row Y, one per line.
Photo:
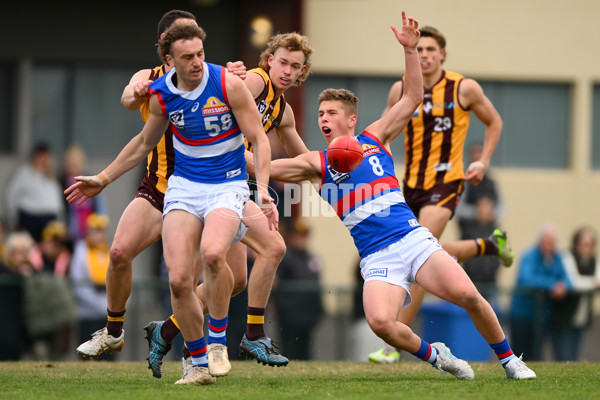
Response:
column 194, row 94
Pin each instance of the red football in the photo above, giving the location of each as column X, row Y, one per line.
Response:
column 344, row 153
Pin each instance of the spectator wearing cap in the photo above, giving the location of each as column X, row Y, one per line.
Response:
column 50, row 308
column 52, row 253
column 34, row 195
column 88, row 274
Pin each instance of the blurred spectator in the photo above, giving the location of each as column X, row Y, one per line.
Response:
column 14, row 266
column 297, row 296
column 541, row 279
column 482, row 270
column 88, row 274
column 572, row 314
column 479, row 213
column 34, row 196
column 2, row 239
column 52, row 253
column 74, row 164
column 49, row 303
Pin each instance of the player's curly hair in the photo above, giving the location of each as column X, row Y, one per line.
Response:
column 348, row 99
column 291, row 41
column 177, row 31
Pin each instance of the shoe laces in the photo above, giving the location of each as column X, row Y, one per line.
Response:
column 98, row 334
column 218, row 355
column 520, row 364
column 273, row 348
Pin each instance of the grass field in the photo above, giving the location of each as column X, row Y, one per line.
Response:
column 300, row 380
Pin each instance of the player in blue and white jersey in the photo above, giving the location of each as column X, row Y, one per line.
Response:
column 395, row 250
column 206, row 109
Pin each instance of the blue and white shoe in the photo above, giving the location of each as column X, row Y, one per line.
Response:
column 263, row 351
column 157, row 347
column 447, row 362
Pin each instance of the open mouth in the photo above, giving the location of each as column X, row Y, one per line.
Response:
column 326, row 130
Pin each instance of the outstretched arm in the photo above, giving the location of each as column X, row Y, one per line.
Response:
column 131, row 155
column 392, row 122
column 471, row 96
column 304, row 167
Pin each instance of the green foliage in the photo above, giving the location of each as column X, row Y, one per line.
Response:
column 300, row 380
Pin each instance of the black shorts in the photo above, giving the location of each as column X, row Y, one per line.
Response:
column 149, row 192
column 445, row 195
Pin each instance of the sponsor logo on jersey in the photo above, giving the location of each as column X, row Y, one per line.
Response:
column 338, row 177
column 214, row 106
column 429, row 106
column 383, row 272
column 195, row 106
column 413, row 222
column 369, row 149
column 176, row 118
column 442, row 166
column 233, row 173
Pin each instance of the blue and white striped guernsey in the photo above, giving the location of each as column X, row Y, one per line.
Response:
column 368, row 200
column 208, row 143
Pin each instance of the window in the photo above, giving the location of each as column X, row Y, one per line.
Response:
column 82, row 105
column 536, row 124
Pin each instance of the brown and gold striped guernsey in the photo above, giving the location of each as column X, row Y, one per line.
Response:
column 270, row 108
column 161, row 160
column 435, row 136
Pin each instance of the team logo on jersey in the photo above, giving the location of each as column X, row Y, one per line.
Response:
column 214, row 106
column 262, row 106
column 176, row 118
column 338, row 177
column 369, row 149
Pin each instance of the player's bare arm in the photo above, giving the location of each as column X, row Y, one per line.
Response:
column 305, row 167
column 288, row 135
column 134, row 94
column 246, row 114
column 391, row 124
column 135, row 151
column 471, row 96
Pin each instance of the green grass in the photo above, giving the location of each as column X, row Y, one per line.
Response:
column 300, row 380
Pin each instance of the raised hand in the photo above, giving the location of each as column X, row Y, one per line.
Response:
column 409, row 36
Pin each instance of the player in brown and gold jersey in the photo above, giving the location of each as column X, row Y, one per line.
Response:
column 433, row 140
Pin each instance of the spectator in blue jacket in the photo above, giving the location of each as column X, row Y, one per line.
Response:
column 541, row 279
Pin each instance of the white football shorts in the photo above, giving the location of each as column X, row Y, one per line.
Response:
column 399, row 262
column 200, row 199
